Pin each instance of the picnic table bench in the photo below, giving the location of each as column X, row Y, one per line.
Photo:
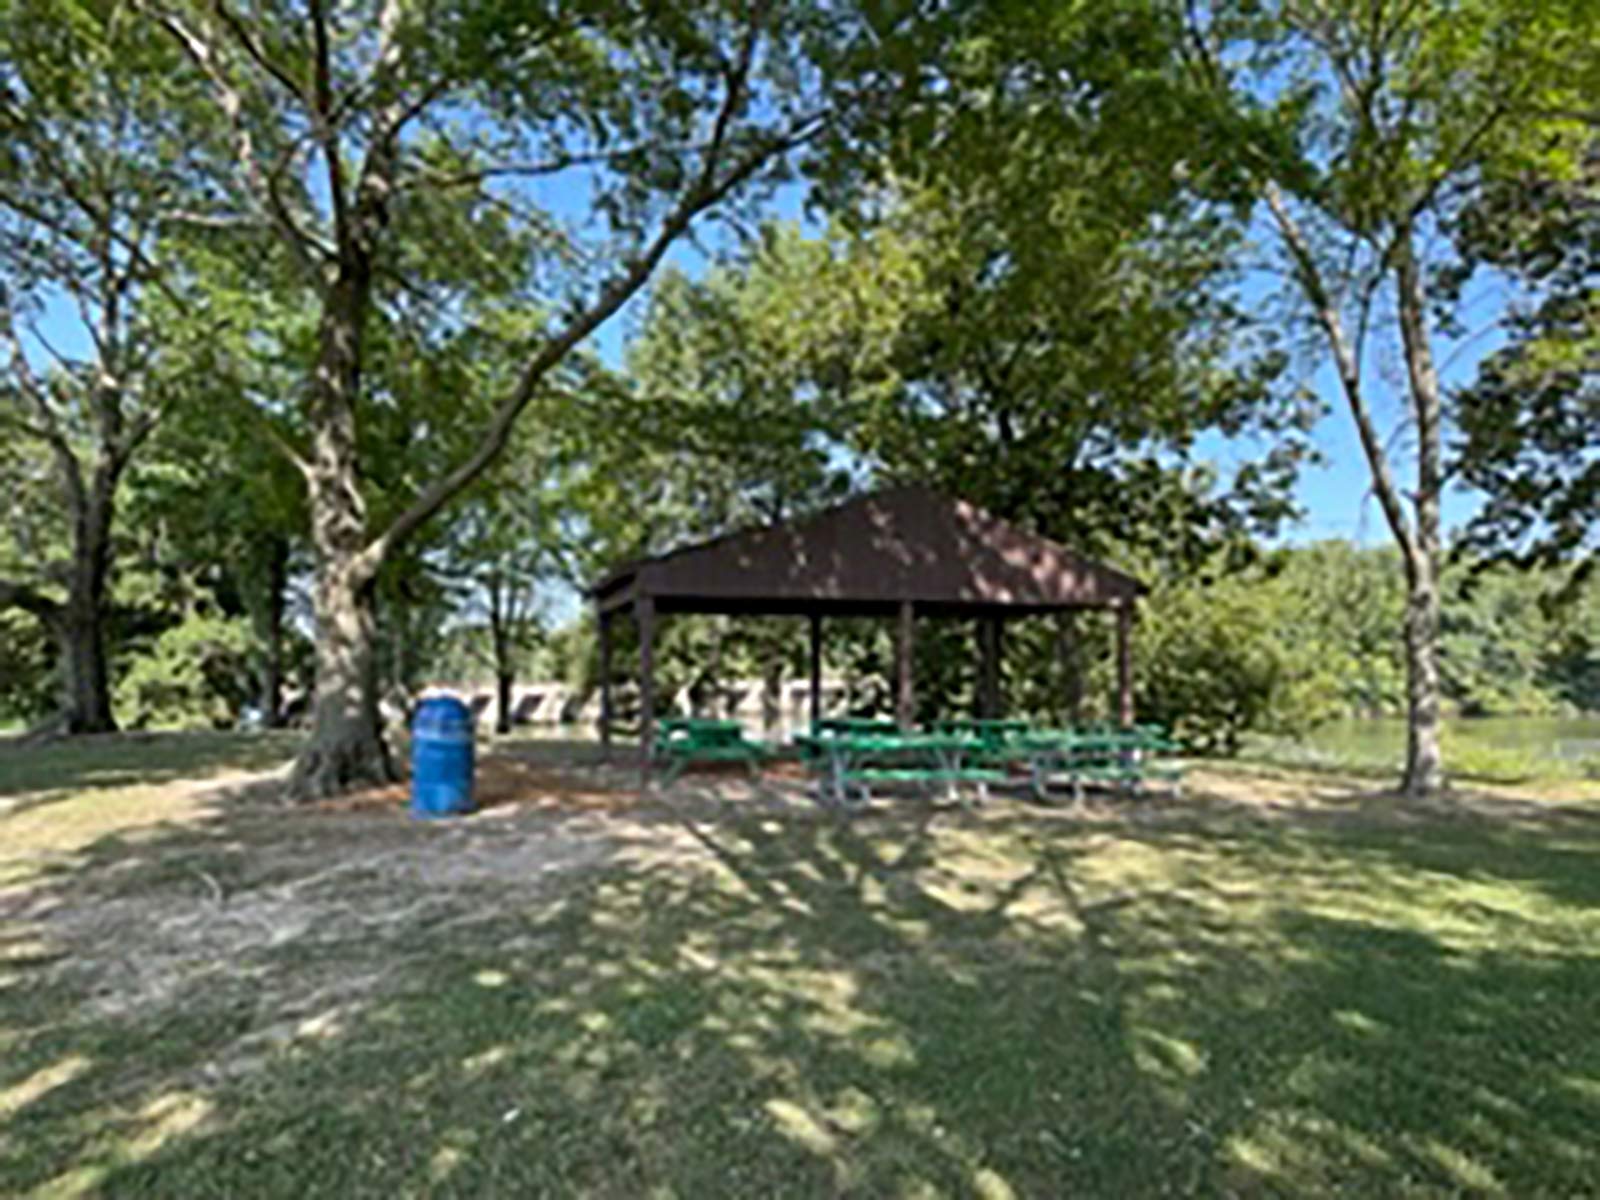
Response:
column 836, row 726
column 682, row 741
column 992, row 730
column 1126, row 757
column 848, row 764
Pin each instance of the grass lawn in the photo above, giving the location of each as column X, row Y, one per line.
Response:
column 1282, row 984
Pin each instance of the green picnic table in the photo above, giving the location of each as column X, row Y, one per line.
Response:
column 992, row 730
column 853, row 726
column 851, row 763
column 685, row 740
column 1128, row 757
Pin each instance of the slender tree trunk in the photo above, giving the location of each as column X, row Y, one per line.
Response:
column 505, row 671
column 502, row 612
column 505, row 682
column 270, row 632
column 346, row 747
column 1424, row 773
column 1418, row 542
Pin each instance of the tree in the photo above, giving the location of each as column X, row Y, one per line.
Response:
column 1047, row 270
column 1063, row 379
column 1364, row 124
column 97, row 159
column 500, row 546
column 1529, row 423
column 377, row 135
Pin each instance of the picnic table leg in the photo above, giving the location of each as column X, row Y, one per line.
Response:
column 981, row 792
column 863, row 788
column 830, row 781
column 945, row 762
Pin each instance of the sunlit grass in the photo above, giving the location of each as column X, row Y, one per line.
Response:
column 1189, row 998
column 59, row 798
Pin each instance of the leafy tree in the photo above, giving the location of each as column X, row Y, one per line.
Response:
column 229, row 506
column 1364, row 123
column 1045, row 265
column 500, row 549
column 1530, row 422
column 98, row 157
column 384, row 143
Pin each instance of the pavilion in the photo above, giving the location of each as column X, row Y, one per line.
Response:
column 895, row 553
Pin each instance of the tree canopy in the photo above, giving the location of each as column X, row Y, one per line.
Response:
column 345, row 342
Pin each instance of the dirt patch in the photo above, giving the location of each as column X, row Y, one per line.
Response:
column 303, row 914
column 502, row 780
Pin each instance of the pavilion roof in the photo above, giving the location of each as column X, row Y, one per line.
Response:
column 867, row 556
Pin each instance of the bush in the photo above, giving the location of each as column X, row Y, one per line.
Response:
column 1217, row 661
column 198, row 674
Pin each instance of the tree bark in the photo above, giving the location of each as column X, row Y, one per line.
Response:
column 1424, row 771
column 346, row 747
column 505, row 681
column 81, row 621
column 86, row 688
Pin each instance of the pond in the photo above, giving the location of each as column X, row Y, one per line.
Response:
column 1541, row 738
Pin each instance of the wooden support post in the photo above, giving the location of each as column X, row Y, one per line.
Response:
column 988, row 691
column 1069, row 653
column 1125, row 663
column 606, row 714
column 905, row 707
column 816, row 669
column 645, row 612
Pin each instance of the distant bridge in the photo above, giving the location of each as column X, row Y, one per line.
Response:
column 554, row 703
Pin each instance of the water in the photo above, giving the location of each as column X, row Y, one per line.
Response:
column 1539, row 738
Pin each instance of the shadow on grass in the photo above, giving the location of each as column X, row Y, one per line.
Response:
column 786, row 1005
column 128, row 759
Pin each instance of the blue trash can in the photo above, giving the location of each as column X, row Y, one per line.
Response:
column 441, row 758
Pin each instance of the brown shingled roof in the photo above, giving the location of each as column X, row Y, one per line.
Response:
column 869, row 554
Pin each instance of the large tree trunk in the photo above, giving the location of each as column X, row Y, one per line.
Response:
column 1424, row 773
column 86, row 679
column 346, row 747
column 80, row 624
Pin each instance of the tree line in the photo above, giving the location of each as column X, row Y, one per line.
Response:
column 322, row 320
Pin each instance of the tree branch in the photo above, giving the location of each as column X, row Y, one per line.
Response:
column 706, row 192
column 321, row 106
column 253, row 48
column 531, row 170
column 260, row 186
column 1349, row 368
